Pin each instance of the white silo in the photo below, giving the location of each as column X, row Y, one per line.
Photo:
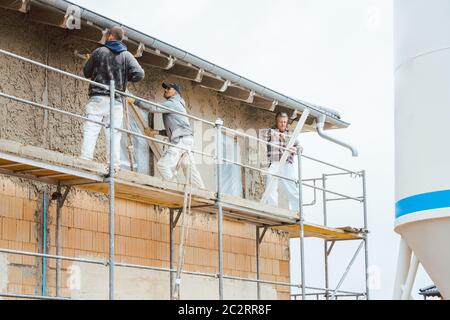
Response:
column 422, row 136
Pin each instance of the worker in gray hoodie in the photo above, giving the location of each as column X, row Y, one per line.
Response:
column 110, row 62
column 179, row 131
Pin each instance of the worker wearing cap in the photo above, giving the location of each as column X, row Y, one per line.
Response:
column 179, row 131
column 279, row 135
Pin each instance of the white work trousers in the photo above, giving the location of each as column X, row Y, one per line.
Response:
column 168, row 164
column 98, row 109
column 288, row 170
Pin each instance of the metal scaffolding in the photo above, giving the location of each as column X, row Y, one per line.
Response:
column 60, row 196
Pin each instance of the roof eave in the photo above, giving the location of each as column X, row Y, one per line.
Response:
column 332, row 117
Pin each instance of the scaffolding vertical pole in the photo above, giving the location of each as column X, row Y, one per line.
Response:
column 366, row 240
column 44, row 246
column 58, row 241
column 60, row 199
column 325, row 223
column 171, row 226
column 302, row 222
column 258, row 285
column 219, row 124
column 112, row 91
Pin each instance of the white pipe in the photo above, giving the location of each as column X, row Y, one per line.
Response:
column 320, row 123
column 406, row 294
column 404, row 261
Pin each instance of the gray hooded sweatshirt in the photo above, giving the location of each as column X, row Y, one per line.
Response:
column 176, row 125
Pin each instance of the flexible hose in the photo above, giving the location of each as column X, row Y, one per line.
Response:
column 187, row 201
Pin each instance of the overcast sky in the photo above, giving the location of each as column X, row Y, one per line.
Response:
column 337, row 54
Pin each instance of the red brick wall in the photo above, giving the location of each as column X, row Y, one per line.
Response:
column 142, row 237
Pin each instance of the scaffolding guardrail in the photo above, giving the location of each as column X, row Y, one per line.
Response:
column 111, row 263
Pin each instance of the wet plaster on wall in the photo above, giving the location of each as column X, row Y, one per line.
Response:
column 58, row 132
column 61, row 133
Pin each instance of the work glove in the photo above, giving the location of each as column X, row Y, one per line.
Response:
column 131, row 100
column 150, row 132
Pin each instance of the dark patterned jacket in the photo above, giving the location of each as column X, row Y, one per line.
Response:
column 112, row 62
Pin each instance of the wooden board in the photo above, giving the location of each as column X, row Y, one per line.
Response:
column 317, row 231
column 257, row 210
column 156, row 148
column 146, row 194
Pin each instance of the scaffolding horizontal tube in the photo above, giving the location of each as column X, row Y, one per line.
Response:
column 331, row 165
column 136, row 266
column 311, row 179
column 344, row 240
column 128, row 95
column 50, row 256
column 325, row 294
column 359, row 174
column 41, row 106
column 341, row 199
column 31, row 296
column 235, row 163
column 333, row 192
column 259, row 170
column 286, row 284
column 236, row 132
column 329, row 289
column 139, row 135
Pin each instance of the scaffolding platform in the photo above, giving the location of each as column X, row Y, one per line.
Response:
column 322, row 232
column 55, row 168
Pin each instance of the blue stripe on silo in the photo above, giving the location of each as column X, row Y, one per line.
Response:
column 423, row 202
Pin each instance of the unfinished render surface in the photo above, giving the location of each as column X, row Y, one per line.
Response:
column 183, row 65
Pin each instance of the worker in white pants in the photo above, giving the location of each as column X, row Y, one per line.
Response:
column 280, row 135
column 112, row 61
column 175, row 158
column 98, row 109
column 289, row 170
column 179, row 131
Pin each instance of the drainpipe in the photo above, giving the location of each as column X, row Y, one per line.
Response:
column 320, row 123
